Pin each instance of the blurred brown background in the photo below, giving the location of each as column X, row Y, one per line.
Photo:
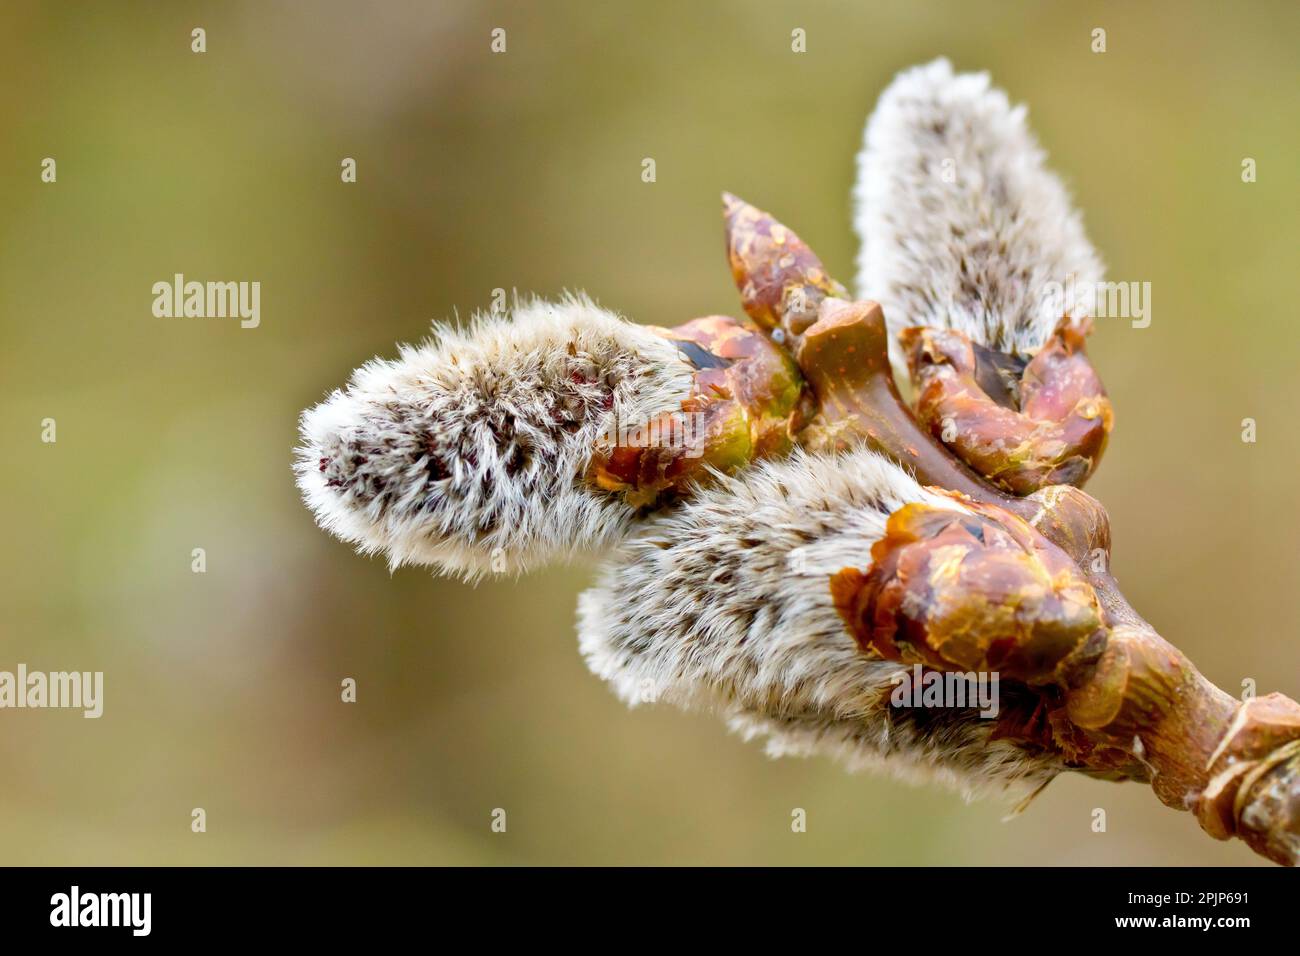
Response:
column 522, row 170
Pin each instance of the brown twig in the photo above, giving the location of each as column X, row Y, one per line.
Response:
column 1121, row 701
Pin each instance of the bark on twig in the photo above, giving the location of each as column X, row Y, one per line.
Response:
column 1119, row 702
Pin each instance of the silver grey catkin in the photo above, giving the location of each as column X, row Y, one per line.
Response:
column 466, row 453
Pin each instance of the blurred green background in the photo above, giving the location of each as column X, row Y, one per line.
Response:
column 522, row 170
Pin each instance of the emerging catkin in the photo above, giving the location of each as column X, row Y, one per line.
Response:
column 468, row 452
column 962, row 224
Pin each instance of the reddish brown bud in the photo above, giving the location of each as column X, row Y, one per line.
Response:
column 958, row 591
column 1254, row 790
column 1048, row 427
column 745, row 405
column 781, row 280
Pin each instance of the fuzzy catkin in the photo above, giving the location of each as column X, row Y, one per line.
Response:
column 467, row 452
column 724, row 604
column 962, row 225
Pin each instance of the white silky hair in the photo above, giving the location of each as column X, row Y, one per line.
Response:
column 467, row 452
column 724, row 604
column 961, row 223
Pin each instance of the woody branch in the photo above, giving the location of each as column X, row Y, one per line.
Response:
column 1124, row 704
